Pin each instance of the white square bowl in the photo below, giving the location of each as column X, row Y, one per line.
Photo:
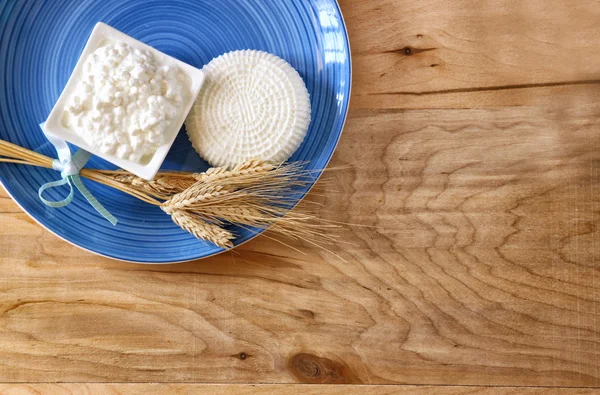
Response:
column 101, row 35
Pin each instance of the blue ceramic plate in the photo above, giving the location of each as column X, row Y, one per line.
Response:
column 40, row 42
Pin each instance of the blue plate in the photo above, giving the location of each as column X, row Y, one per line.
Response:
column 40, row 42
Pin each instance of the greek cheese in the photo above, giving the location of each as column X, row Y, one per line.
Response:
column 252, row 105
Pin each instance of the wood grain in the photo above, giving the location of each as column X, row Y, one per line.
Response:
column 477, row 268
column 293, row 389
column 471, row 53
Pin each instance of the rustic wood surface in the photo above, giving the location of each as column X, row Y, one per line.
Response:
column 276, row 389
column 473, row 146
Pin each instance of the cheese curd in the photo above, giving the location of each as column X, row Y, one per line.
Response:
column 125, row 101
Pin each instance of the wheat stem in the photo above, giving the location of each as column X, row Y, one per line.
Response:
column 253, row 194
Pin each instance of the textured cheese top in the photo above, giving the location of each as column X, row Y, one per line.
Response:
column 252, row 105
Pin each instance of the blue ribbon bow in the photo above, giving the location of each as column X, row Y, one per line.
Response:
column 69, row 168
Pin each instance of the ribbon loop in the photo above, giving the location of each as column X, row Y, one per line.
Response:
column 60, row 203
column 69, row 168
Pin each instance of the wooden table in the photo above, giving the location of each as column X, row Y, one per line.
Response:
column 473, row 147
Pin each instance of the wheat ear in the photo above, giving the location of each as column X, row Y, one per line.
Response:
column 193, row 196
column 202, row 229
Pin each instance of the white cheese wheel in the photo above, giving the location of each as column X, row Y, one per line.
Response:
column 253, row 105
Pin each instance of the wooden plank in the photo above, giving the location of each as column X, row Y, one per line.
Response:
column 248, row 389
column 479, row 177
column 482, row 270
column 466, row 53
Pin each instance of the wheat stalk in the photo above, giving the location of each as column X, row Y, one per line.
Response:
column 197, row 195
column 203, row 230
column 161, row 187
column 241, row 173
column 255, row 193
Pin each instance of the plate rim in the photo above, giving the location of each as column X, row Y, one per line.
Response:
column 258, row 233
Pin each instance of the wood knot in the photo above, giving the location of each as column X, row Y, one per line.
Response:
column 408, row 51
column 306, row 313
column 241, row 356
column 311, row 369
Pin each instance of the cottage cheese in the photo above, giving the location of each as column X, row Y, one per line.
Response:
column 125, row 101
